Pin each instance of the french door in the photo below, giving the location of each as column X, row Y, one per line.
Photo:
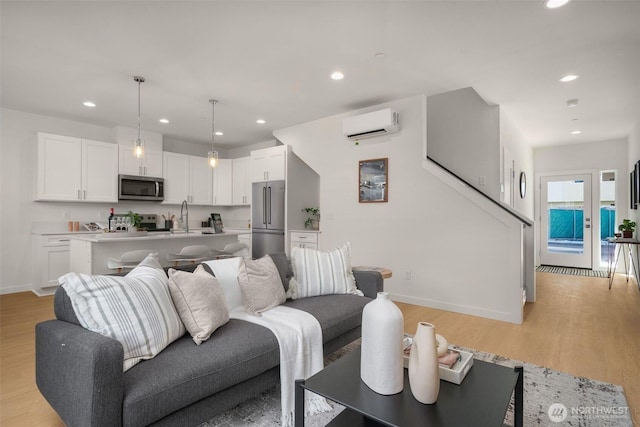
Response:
column 566, row 226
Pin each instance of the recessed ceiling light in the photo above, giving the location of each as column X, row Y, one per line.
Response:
column 261, row 121
column 554, row 4
column 89, row 104
column 164, row 121
column 219, row 133
column 576, row 132
column 572, row 103
column 569, row 78
column 337, row 75
column 379, row 55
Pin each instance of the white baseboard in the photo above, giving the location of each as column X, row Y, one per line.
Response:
column 456, row 308
column 15, row 289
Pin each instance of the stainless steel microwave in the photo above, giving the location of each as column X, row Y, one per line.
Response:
column 132, row 187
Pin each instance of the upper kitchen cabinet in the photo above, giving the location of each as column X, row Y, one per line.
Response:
column 187, row 178
column 150, row 164
column 75, row 169
column 241, row 181
column 223, row 182
column 269, row 164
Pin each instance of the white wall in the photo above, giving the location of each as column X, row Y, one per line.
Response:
column 19, row 215
column 512, row 138
column 632, row 158
column 464, row 137
column 427, row 230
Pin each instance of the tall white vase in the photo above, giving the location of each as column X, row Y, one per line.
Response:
column 424, row 377
column 381, row 360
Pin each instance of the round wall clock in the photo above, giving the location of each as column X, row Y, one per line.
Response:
column 523, row 184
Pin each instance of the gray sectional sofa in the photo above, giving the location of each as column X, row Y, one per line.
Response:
column 79, row 372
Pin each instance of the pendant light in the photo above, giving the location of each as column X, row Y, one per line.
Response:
column 138, row 145
column 212, row 156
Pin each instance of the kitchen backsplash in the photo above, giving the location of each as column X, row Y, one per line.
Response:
column 57, row 215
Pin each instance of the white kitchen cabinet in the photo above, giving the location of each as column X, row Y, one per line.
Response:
column 304, row 239
column 52, row 261
column 269, row 164
column 150, row 164
column 75, row 169
column 223, row 183
column 186, row 178
column 201, row 184
column 241, row 181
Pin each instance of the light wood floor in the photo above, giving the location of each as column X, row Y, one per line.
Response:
column 576, row 326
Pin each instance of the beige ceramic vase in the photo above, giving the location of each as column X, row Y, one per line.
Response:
column 424, row 378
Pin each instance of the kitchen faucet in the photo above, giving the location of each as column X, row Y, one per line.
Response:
column 186, row 223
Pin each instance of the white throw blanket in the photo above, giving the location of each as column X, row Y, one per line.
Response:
column 298, row 333
column 300, row 338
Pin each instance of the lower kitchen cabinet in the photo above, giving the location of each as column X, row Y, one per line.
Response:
column 304, row 239
column 51, row 261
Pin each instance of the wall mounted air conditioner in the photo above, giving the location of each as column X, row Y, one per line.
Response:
column 376, row 123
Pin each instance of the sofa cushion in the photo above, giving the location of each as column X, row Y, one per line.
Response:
column 136, row 310
column 183, row 373
column 321, row 273
column 260, row 285
column 200, row 302
column 336, row 314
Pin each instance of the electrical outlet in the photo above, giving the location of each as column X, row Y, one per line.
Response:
column 407, row 275
column 482, row 181
column 67, row 215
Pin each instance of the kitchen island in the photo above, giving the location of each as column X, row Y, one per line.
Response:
column 89, row 253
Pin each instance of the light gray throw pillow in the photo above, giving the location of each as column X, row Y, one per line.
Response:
column 200, row 302
column 260, row 285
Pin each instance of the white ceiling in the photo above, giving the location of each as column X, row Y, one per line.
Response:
column 272, row 60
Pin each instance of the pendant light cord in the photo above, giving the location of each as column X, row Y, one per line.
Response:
column 213, row 124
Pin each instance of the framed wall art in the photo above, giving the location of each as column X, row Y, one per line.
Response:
column 373, row 181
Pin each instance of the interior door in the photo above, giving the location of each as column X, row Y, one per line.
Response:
column 566, row 226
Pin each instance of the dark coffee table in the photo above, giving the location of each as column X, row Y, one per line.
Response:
column 481, row 400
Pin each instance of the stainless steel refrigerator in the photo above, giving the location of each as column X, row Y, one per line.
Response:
column 267, row 218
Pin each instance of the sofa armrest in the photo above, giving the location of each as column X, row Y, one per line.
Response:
column 79, row 372
column 369, row 282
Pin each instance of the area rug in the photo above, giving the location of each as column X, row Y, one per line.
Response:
column 571, row 271
column 551, row 398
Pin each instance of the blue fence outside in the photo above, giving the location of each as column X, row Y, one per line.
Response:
column 566, row 224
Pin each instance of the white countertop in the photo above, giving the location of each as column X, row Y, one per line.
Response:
column 195, row 234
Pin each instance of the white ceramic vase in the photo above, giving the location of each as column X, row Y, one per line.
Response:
column 424, row 378
column 381, row 360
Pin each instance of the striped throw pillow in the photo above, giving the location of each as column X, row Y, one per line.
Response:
column 322, row 273
column 136, row 310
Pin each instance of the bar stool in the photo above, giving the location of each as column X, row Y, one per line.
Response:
column 128, row 260
column 192, row 254
column 237, row 249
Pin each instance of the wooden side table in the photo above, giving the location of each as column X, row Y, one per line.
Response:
column 386, row 273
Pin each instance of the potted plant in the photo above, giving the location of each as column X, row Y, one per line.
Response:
column 627, row 227
column 135, row 220
column 313, row 220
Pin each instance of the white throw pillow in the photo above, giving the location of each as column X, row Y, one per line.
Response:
column 321, row 273
column 226, row 271
column 136, row 310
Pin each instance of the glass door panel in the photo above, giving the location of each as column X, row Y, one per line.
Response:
column 566, row 221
